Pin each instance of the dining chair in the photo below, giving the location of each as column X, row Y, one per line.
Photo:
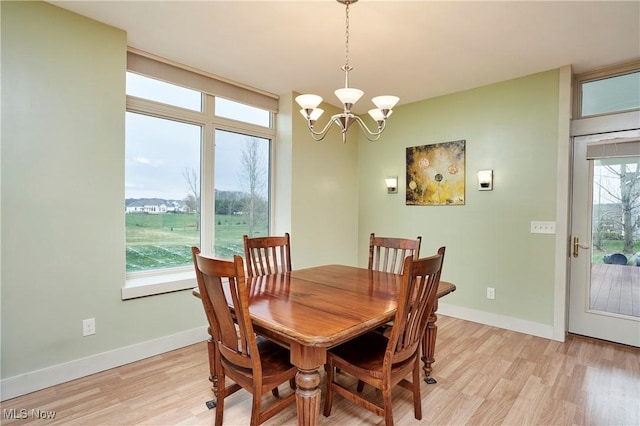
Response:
column 267, row 255
column 388, row 253
column 384, row 362
column 212, row 350
column 255, row 364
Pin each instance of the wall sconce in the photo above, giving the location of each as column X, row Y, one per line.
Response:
column 392, row 184
column 485, row 180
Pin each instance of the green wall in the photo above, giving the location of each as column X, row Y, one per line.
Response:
column 325, row 195
column 62, row 235
column 510, row 127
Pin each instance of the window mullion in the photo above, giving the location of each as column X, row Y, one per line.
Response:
column 207, row 182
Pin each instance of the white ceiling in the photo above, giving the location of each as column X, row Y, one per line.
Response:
column 412, row 49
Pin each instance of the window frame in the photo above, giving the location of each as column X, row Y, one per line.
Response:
column 158, row 281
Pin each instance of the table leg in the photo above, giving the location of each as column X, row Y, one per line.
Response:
column 429, row 345
column 308, row 359
column 308, row 396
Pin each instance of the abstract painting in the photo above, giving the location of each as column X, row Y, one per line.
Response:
column 435, row 174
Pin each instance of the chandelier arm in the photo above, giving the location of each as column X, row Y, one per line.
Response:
column 372, row 136
column 318, row 136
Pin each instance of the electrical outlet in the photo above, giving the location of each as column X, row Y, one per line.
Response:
column 491, row 293
column 88, row 327
column 543, row 227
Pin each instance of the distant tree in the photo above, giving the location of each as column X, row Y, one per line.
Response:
column 253, row 178
column 192, row 200
column 191, row 203
column 233, row 202
column 627, row 196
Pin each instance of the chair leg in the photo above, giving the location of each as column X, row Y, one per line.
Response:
column 328, row 399
column 388, row 407
column 360, row 386
column 221, row 394
column 255, row 408
column 213, row 374
column 417, row 402
column 275, row 392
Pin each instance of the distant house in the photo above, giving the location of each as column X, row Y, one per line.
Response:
column 147, row 206
column 175, row 207
column 154, row 206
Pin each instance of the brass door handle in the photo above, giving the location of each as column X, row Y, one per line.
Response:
column 577, row 245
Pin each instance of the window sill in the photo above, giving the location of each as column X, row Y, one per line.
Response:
column 142, row 286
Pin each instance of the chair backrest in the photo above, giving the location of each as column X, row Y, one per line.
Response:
column 267, row 255
column 416, row 299
column 388, row 254
column 236, row 344
column 206, row 302
column 441, row 251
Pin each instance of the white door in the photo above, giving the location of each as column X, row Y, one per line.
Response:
column 604, row 296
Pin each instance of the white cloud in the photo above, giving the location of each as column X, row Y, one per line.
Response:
column 148, row 161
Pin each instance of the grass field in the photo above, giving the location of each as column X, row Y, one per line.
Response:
column 165, row 240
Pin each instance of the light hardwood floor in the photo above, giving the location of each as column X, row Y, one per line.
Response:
column 486, row 376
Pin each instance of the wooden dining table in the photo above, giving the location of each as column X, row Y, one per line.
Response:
column 314, row 309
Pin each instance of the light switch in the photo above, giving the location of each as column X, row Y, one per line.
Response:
column 543, row 227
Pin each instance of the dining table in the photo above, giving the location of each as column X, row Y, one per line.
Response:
column 314, row 309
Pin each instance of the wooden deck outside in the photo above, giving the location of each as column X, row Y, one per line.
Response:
column 615, row 289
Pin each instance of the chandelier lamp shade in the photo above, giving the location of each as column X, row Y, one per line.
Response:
column 348, row 96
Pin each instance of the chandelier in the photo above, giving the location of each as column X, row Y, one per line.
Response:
column 348, row 96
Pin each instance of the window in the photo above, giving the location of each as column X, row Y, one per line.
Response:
column 197, row 172
column 242, row 190
column 162, row 192
column 159, row 91
column 238, row 111
column 608, row 91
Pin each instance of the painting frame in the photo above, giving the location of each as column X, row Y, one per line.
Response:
column 435, row 174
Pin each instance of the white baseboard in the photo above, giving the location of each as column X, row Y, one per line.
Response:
column 50, row 376
column 56, row 374
column 496, row 320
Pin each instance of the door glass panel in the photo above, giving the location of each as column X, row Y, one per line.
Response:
column 615, row 261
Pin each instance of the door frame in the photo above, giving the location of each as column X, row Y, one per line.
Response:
column 584, row 319
column 580, row 127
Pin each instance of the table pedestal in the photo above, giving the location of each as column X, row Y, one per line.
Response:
column 429, row 345
column 308, row 359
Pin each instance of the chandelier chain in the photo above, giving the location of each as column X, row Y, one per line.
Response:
column 346, row 36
